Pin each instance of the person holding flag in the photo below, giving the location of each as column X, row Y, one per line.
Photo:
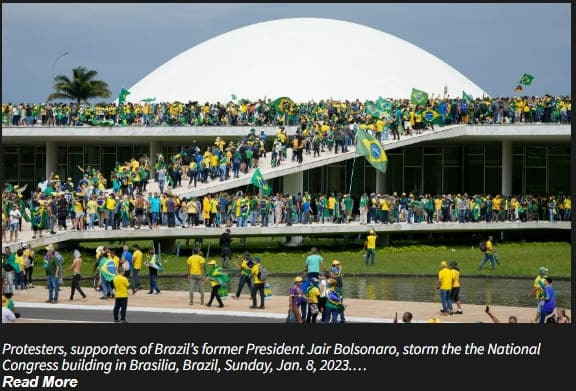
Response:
column 108, row 270
column 217, row 279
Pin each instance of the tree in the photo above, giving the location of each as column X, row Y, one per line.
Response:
column 81, row 88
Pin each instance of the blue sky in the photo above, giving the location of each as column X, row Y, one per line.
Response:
column 491, row 44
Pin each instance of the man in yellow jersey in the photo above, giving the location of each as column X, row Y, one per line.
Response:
column 370, row 248
column 444, row 287
column 538, row 290
column 137, row 256
column 489, row 254
column 121, row 286
column 455, row 294
column 196, row 275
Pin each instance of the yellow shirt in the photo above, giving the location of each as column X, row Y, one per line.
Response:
column 255, row 271
column 371, row 239
column 195, row 263
column 445, row 278
column 455, row 278
column 121, row 285
column 137, row 259
column 313, row 294
column 537, row 288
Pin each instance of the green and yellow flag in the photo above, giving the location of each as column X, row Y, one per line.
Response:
column 108, row 269
column 418, row 97
column 466, row 97
column 123, row 94
column 259, row 181
column 526, row 79
column 282, row 104
column 372, row 150
column 433, row 116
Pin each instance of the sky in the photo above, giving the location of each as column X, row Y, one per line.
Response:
column 491, row 44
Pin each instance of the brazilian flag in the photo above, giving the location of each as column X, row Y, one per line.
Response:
column 283, row 104
column 259, row 181
column 526, row 79
column 123, row 94
column 218, row 275
column 156, row 263
column 433, row 116
column 372, row 150
column 466, row 97
column 418, row 97
column 108, row 269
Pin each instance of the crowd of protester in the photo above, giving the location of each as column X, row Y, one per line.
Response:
column 263, row 112
column 54, row 210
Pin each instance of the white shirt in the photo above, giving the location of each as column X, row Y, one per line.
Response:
column 8, row 316
column 15, row 216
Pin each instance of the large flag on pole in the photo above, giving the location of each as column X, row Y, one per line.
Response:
column 372, row 150
column 466, row 97
column 259, row 181
column 282, row 104
column 418, row 97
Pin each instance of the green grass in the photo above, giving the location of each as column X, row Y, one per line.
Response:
column 519, row 259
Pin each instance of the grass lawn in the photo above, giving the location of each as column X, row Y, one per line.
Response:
column 519, row 259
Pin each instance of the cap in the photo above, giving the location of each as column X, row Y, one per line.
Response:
column 453, row 264
column 50, row 247
column 256, row 259
column 372, row 231
column 443, row 264
column 298, row 279
column 212, row 262
column 25, row 245
column 335, row 262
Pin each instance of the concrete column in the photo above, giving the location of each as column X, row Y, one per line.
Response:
column 51, row 158
column 155, row 147
column 507, row 167
column 380, row 182
column 293, row 184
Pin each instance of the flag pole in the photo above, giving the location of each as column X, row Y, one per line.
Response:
column 352, row 174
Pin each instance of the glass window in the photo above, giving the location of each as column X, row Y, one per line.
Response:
column 535, row 180
column 518, row 149
column 394, row 175
column 474, row 174
column 26, row 172
column 493, row 181
column 432, row 174
column 75, row 149
column 452, row 156
column 61, row 155
column 413, row 180
column 92, row 155
column 559, row 150
column 452, row 181
column 559, row 178
column 108, row 149
column 535, row 156
column 370, row 176
column 474, row 150
column 432, row 150
column 517, row 174
column 336, row 178
column 125, row 152
column 493, row 155
column 413, row 156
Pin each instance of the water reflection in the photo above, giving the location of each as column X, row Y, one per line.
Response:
column 491, row 291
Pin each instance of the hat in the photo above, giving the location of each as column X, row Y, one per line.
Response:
column 298, row 279
column 372, row 231
column 212, row 262
column 25, row 245
column 453, row 264
column 256, row 259
column 335, row 262
column 443, row 264
column 50, row 247
column 542, row 270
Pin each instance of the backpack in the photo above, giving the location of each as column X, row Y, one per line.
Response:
column 483, row 246
column 262, row 273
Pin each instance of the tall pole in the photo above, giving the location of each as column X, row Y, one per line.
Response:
column 55, row 61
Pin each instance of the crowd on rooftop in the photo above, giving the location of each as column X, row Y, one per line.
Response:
column 263, row 112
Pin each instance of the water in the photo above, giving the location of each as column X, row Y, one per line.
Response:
column 491, row 291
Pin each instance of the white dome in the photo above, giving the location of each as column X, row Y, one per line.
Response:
column 304, row 59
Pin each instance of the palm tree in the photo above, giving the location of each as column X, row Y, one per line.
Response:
column 81, row 88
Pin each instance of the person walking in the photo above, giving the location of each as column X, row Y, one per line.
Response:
column 196, row 275
column 225, row 249
column 257, row 284
column 76, row 267
column 294, row 299
column 370, row 248
column 312, row 296
column 245, row 275
column 489, row 254
column 216, row 277
column 121, row 287
column 154, row 266
column 137, row 256
column 548, row 299
column 538, row 290
column 455, row 293
column 52, row 270
column 444, row 286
